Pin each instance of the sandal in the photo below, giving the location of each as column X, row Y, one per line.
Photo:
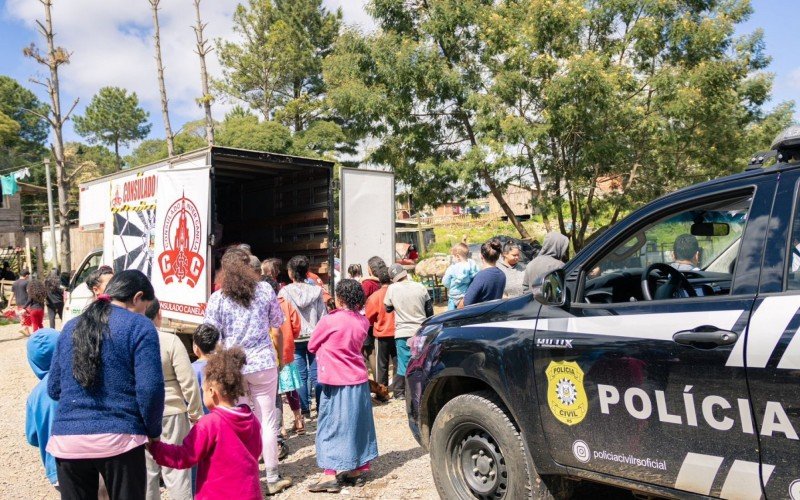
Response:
column 326, row 486
column 346, row 479
column 300, row 426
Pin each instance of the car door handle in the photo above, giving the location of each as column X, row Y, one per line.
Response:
column 705, row 337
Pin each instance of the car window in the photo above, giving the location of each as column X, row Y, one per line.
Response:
column 90, row 265
column 701, row 242
column 793, row 262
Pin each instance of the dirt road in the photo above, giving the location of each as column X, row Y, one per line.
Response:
column 402, row 470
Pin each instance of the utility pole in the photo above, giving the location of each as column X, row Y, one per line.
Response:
column 50, row 213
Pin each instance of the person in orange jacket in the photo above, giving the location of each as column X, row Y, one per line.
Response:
column 382, row 323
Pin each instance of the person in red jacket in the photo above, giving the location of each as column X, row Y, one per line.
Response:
column 372, row 283
column 226, row 443
column 382, row 323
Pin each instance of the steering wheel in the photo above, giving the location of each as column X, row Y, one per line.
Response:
column 677, row 281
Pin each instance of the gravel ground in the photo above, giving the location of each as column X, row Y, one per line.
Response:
column 401, row 471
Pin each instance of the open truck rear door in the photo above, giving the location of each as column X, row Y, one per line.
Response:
column 180, row 260
column 367, row 216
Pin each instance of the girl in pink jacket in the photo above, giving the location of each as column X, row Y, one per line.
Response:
column 346, row 441
column 226, row 443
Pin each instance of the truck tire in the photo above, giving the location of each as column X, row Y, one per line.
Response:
column 477, row 452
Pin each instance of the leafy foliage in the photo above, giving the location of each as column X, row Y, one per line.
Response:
column 114, row 118
column 597, row 106
column 247, row 132
column 276, row 69
column 22, row 134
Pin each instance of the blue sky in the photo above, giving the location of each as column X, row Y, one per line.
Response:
column 111, row 45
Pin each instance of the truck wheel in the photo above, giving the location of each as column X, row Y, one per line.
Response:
column 477, row 452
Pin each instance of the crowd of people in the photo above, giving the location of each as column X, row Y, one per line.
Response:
column 503, row 275
column 31, row 295
column 120, row 407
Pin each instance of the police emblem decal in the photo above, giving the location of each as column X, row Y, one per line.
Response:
column 566, row 395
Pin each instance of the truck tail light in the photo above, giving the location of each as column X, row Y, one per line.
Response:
column 425, row 334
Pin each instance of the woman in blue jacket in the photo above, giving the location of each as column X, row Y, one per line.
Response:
column 106, row 376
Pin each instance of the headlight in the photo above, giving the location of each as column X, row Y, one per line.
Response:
column 418, row 342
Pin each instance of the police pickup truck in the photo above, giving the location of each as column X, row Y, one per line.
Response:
column 663, row 359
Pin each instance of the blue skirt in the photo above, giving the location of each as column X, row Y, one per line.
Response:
column 345, row 429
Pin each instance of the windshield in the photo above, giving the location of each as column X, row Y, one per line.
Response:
column 705, row 238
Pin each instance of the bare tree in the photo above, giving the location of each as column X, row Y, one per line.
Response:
column 202, row 49
column 53, row 59
column 162, row 87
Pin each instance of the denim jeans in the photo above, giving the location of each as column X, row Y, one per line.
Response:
column 307, row 366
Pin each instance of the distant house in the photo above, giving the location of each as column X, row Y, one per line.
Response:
column 519, row 198
column 18, row 229
column 14, row 225
column 609, row 184
column 449, row 209
column 402, row 207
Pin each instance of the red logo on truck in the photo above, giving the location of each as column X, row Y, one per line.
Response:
column 181, row 260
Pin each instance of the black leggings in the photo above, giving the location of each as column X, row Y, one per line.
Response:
column 125, row 476
column 387, row 350
column 51, row 314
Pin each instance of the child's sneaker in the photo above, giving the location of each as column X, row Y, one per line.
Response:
column 273, row 488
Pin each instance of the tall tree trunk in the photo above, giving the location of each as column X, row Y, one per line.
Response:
column 464, row 116
column 116, row 154
column 298, row 120
column 202, row 50
column 55, row 57
column 491, row 184
column 162, row 87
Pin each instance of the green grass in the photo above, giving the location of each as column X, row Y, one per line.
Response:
column 477, row 231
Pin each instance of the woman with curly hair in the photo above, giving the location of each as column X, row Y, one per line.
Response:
column 226, row 443
column 244, row 310
column 346, row 441
column 37, row 294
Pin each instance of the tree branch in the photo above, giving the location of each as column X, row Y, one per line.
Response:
column 71, row 109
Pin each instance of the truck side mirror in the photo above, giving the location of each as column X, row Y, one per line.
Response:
column 552, row 292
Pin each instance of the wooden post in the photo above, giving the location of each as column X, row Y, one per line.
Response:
column 39, row 259
column 28, row 254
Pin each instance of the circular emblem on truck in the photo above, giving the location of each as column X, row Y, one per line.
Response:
column 794, row 490
column 566, row 396
column 581, row 451
column 181, row 261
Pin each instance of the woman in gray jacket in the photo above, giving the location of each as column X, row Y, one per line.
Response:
column 307, row 299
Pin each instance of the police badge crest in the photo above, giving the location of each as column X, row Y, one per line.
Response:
column 566, row 395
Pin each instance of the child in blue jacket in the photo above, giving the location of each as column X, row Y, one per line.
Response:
column 40, row 410
column 459, row 275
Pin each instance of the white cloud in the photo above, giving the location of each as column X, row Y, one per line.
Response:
column 111, row 44
column 354, row 13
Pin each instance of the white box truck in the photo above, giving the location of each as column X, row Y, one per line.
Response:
column 173, row 220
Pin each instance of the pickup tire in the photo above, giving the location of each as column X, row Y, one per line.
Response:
column 477, row 452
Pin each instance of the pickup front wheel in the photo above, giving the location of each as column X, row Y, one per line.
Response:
column 477, row 452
